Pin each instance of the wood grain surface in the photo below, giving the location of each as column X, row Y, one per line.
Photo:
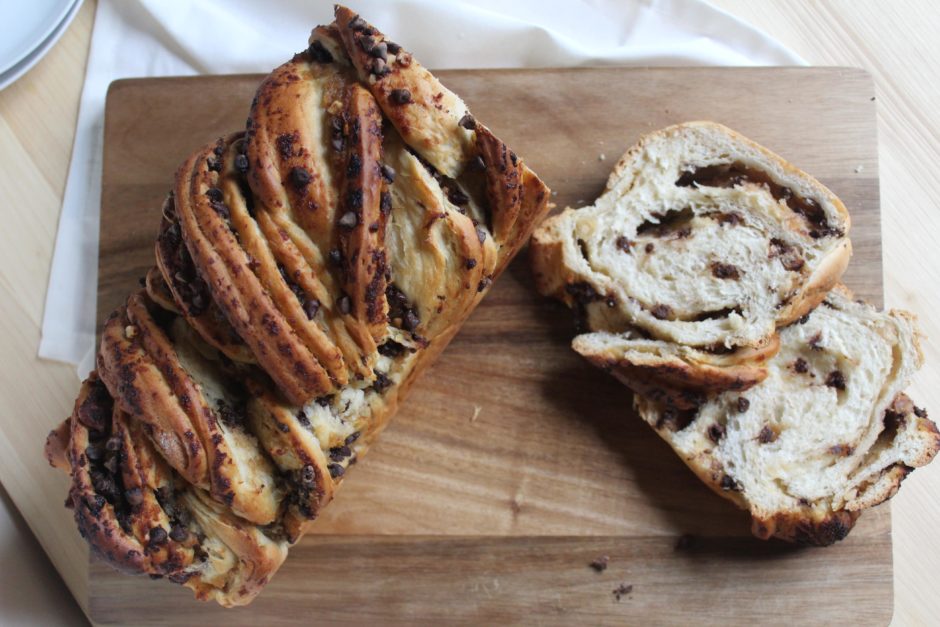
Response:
column 514, row 463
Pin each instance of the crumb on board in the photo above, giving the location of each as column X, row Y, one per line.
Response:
column 622, row 590
column 476, row 413
column 601, row 157
column 600, row 563
column 859, row 168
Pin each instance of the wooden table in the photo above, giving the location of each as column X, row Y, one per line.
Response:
column 896, row 44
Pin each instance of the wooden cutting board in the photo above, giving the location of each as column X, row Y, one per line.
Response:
column 514, row 464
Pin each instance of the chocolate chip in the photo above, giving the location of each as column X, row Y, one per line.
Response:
column 345, row 305
column 157, row 536
column 385, row 203
column 300, row 177
column 214, row 165
column 841, row 450
column 471, row 264
column 134, row 496
column 725, row 271
column 388, row 173
column 379, row 67
column 766, row 435
column 336, row 257
column 661, row 312
column 311, row 307
column 600, row 563
column 391, row 348
column 336, row 470
column 920, row 412
column 622, row 590
column 178, row 533
column 367, row 43
column 468, row 122
column 477, row 164
column 214, row 193
column 624, row 244
column 649, row 248
column 351, row 438
column 803, row 319
column 836, row 379
column 484, row 283
column 729, row 484
column 716, row 432
column 354, row 167
column 800, row 365
column 400, row 96
column 241, row 163
column 354, row 198
column 94, row 453
column 815, row 340
column 481, row 234
column 349, row 220
column 338, row 144
column 357, row 23
column 393, row 47
column 743, row 404
column 380, row 50
column 339, row 453
column 319, row 53
column 410, row 321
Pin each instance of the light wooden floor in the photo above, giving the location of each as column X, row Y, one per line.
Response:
column 895, row 41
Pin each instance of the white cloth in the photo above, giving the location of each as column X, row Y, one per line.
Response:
column 177, row 37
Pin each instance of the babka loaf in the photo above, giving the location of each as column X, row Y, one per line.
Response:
column 826, row 435
column 702, row 244
column 698, row 276
column 307, row 270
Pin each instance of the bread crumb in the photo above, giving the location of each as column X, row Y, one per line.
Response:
column 600, row 563
column 476, row 412
column 601, row 157
column 622, row 590
column 859, row 168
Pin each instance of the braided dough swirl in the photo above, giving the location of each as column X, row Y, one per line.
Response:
column 307, row 270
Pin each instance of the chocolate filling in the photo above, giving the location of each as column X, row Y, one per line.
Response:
column 734, row 174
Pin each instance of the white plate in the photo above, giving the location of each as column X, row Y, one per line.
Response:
column 26, row 25
column 31, row 58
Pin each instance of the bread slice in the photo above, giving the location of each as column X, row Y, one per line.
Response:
column 702, row 240
column 826, row 435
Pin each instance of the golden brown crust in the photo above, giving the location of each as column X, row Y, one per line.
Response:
column 175, row 279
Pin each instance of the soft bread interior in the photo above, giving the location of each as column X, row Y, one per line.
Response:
column 820, row 433
column 701, row 238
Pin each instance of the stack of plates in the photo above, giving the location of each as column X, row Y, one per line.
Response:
column 30, row 28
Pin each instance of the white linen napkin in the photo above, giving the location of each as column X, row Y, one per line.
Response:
column 135, row 38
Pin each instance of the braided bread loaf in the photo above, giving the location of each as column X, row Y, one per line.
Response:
column 307, row 270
